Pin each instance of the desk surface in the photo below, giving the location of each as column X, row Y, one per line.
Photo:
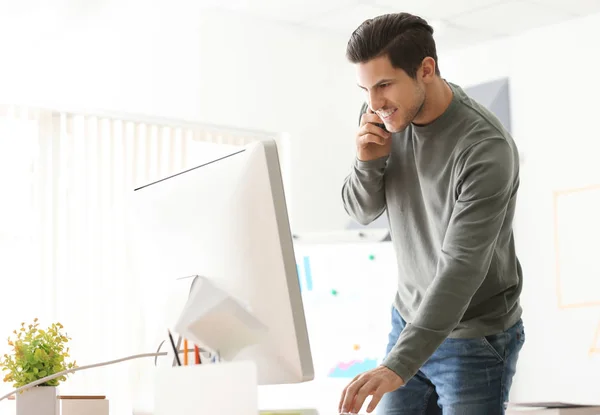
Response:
column 594, row 410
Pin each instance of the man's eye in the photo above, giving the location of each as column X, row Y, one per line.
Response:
column 383, row 85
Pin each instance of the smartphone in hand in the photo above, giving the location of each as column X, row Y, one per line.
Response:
column 365, row 109
column 381, row 125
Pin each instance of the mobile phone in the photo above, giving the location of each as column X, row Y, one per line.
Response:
column 381, row 125
column 365, row 108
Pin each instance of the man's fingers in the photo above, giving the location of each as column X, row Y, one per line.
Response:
column 371, row 128
column 349, row 397
column 366, row 390
column 343, row 397
column 341, row 404
column 370, row 133
column 367, row 139
column 377, row 395
column 351, row 392
column 370, row 117
column 345, row 391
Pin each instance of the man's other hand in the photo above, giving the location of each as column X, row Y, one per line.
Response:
column 375, row 382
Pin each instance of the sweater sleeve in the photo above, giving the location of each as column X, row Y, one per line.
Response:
column 485, row 187
column 363, row 193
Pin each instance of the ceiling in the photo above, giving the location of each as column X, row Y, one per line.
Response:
column 456, row 23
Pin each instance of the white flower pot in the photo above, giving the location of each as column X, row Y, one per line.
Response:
column 39, row 400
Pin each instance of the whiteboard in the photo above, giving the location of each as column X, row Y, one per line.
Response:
column 348, row 290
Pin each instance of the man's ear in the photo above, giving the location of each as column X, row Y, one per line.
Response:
column 427, row 69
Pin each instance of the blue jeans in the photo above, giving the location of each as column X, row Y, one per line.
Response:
column 463, row 377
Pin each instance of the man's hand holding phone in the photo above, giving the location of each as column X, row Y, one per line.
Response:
column 372, row 141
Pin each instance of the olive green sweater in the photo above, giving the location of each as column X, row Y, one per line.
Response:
column 449, row 191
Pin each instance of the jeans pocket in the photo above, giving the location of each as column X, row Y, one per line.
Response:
column 495, row 345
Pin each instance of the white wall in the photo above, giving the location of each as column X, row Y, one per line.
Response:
column 554, row 97
column 196, row 65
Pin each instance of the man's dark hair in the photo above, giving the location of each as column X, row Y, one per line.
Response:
column 406, row 40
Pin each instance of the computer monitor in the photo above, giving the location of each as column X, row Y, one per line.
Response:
column 226, row 219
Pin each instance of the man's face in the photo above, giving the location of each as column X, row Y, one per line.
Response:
column 392, row 94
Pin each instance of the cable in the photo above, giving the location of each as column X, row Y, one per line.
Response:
column 66, row 372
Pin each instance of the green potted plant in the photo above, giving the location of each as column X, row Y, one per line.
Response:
column 36, row 354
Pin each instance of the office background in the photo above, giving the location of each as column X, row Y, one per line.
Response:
column 246, row 69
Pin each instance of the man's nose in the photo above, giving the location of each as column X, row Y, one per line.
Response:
column 375, row 101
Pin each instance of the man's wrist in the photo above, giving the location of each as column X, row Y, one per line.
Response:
column 374, row 164
column 398, row 368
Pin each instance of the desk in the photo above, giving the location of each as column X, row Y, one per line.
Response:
column 591, row 410
column 285, row 412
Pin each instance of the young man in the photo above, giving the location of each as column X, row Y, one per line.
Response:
column 446, row 173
